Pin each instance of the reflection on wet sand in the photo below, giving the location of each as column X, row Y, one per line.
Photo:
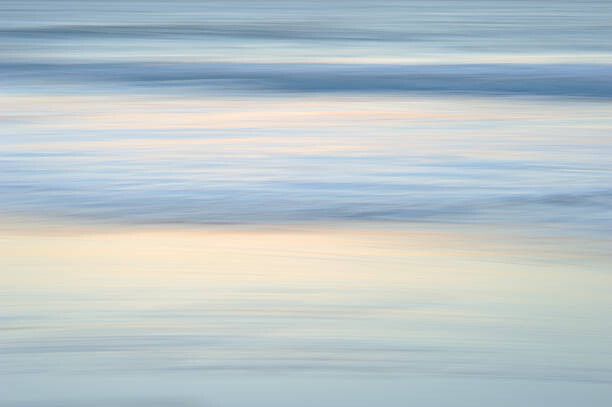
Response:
column 372, row 299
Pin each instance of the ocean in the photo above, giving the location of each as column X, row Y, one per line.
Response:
column 282, row 203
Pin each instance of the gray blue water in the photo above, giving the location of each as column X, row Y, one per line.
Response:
column 499, row 110
column 315, row 203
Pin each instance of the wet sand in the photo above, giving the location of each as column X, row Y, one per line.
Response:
column 338, row 314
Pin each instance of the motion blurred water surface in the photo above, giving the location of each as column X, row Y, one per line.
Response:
column 271, row 203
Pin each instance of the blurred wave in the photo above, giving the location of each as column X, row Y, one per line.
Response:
column 271, row 29
column 286, row 202
column 536, row 79
column 294, row 31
